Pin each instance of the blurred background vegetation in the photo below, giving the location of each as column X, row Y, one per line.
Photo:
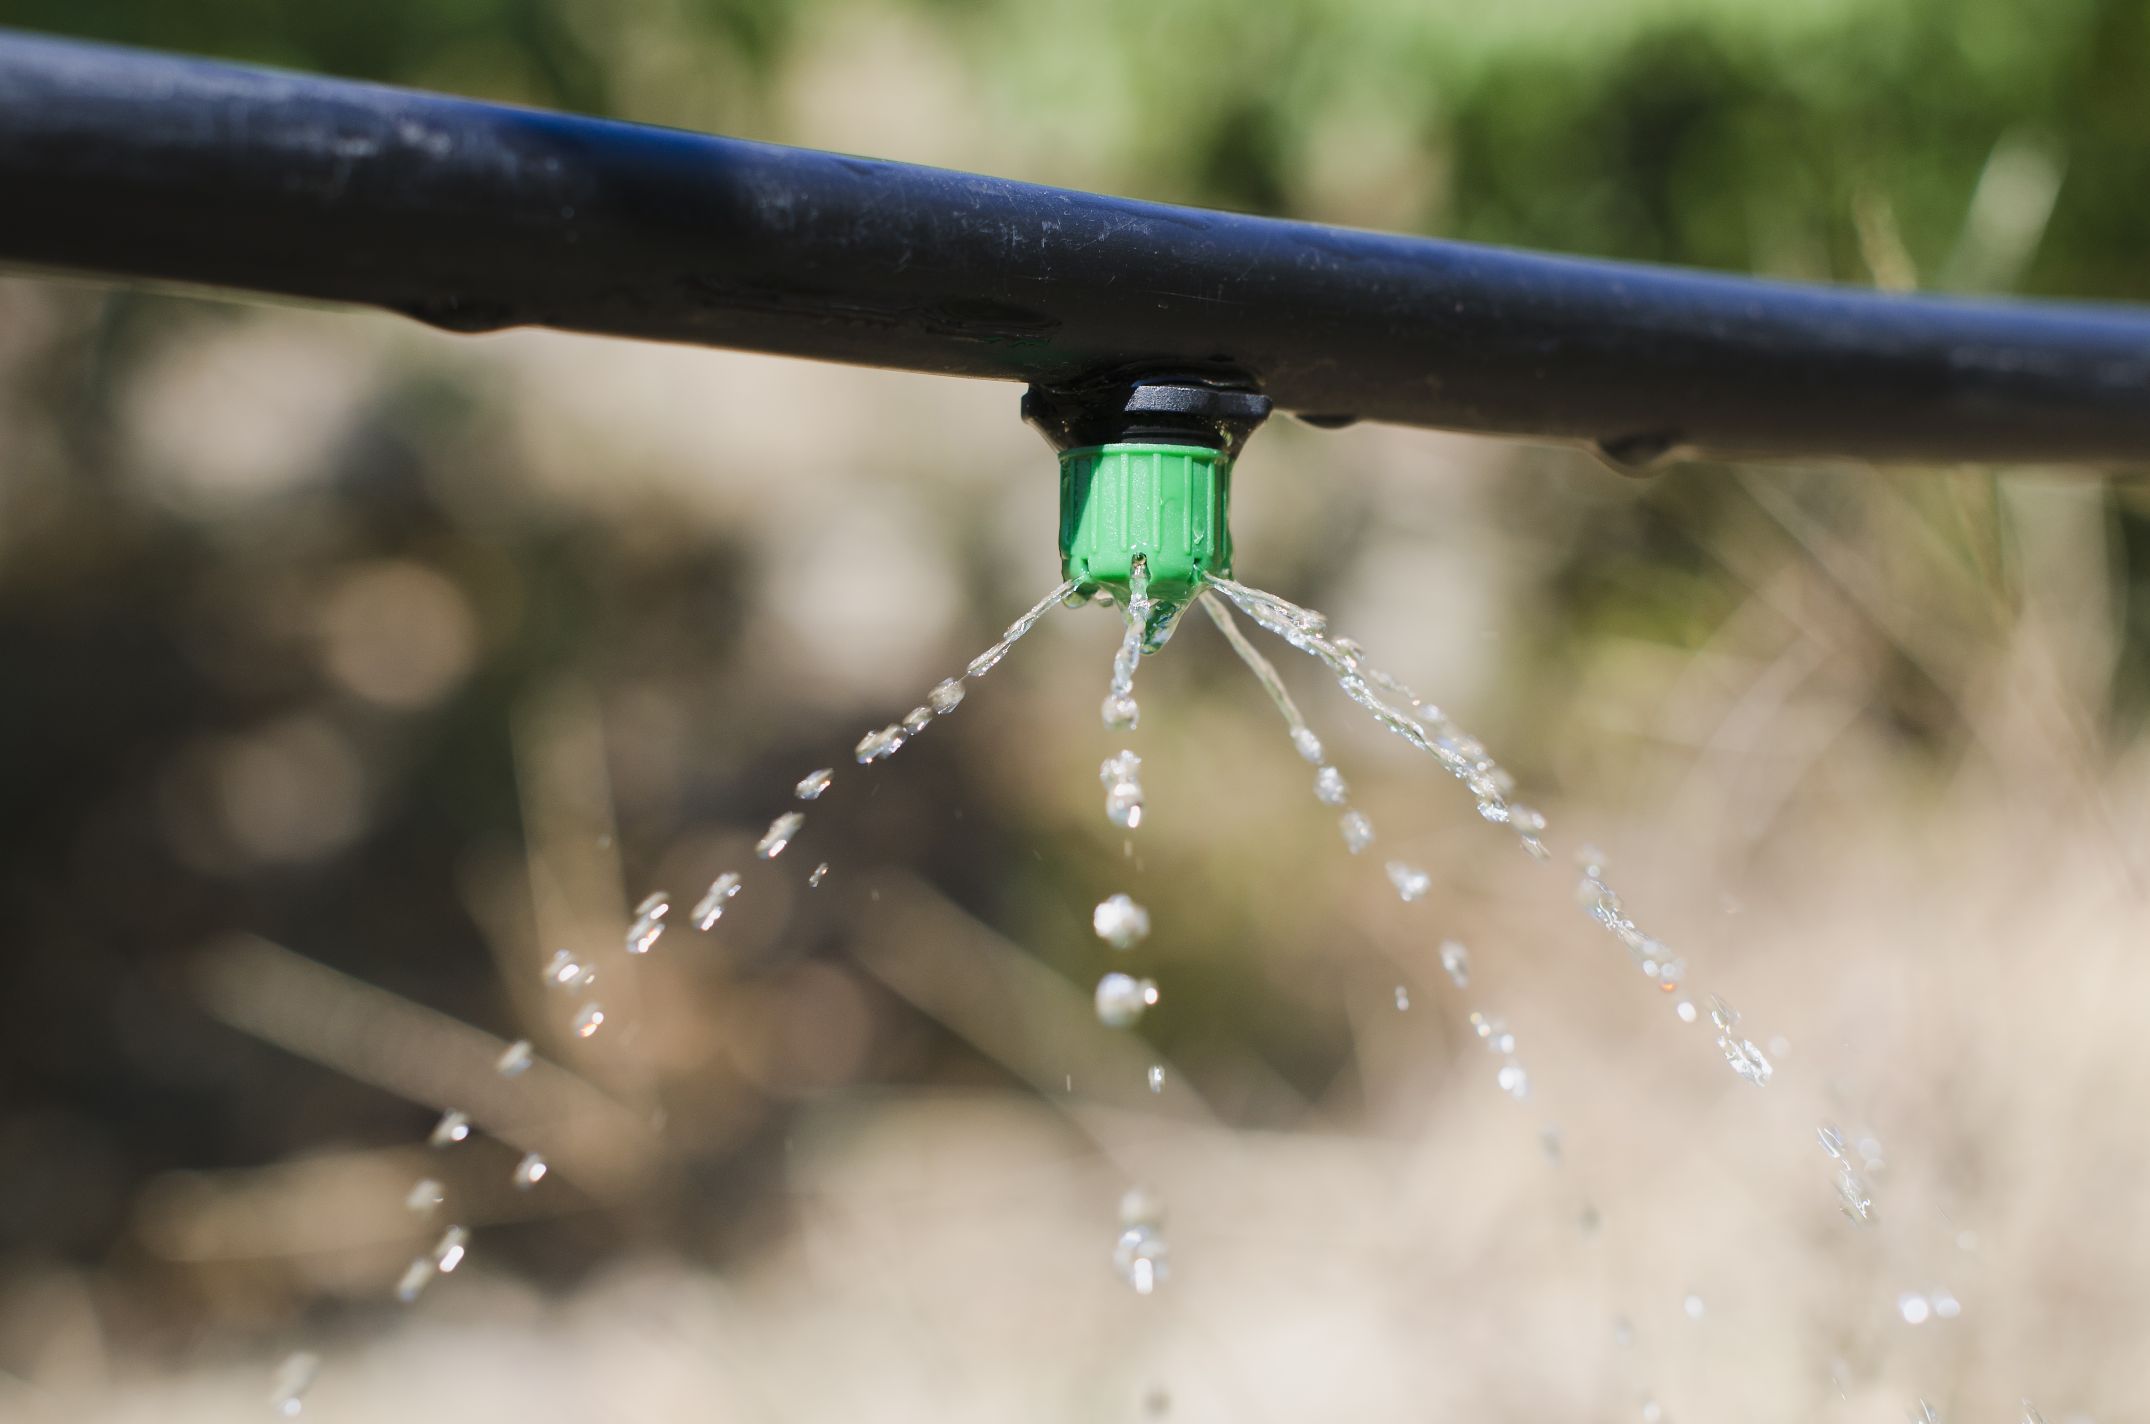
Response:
column 354, row 667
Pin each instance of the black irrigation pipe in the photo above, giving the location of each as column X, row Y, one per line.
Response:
column 474, row 217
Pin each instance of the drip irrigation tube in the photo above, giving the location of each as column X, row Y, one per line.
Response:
column 475, row 217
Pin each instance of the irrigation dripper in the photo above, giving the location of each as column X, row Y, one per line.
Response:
column 1145, row 486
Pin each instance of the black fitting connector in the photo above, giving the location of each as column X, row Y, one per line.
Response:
column 1146, row 411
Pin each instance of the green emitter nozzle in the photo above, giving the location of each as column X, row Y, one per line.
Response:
column 1167, row 504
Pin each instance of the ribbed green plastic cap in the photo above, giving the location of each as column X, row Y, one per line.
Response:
column 1167, row 503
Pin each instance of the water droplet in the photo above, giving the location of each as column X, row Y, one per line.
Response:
column 1686, row 1010
column 879, row 746
column 710, row 908
column 1411, row 883
column 1121, row 777
column 1306, row 744
column 288, row 1386
column 781, row 830
column 1119, row 712
column 1913, row 1307
column 1120, row 922
column 820, row 873
column 448, row 1252
column 2031, row 1414
column 814, row 783
column 425, row 1194
column 588, row 1020
column 1358, row 832
column 915, row 720
column 1925, row 1414
column 514, row 1060
column 1693, row 1306
column 416, row 1277
column 1122, row 998
column 1946, row 1306
column 1590, row 860
column 1853, row 1195
column 1598, row 899
column 1157, row 1077
column 1329, row 787
column 648, row 923
column 530, row 1171
column 453, row 1127
column 1514, row 1081
column 1746, row 1060
column 1456, row 963
column 565, row 970
column 1139, row 1257
column 1403, row 999
column 946, row 696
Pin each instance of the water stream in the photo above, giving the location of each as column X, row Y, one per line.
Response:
column 574, row 975
column 1122, row 924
